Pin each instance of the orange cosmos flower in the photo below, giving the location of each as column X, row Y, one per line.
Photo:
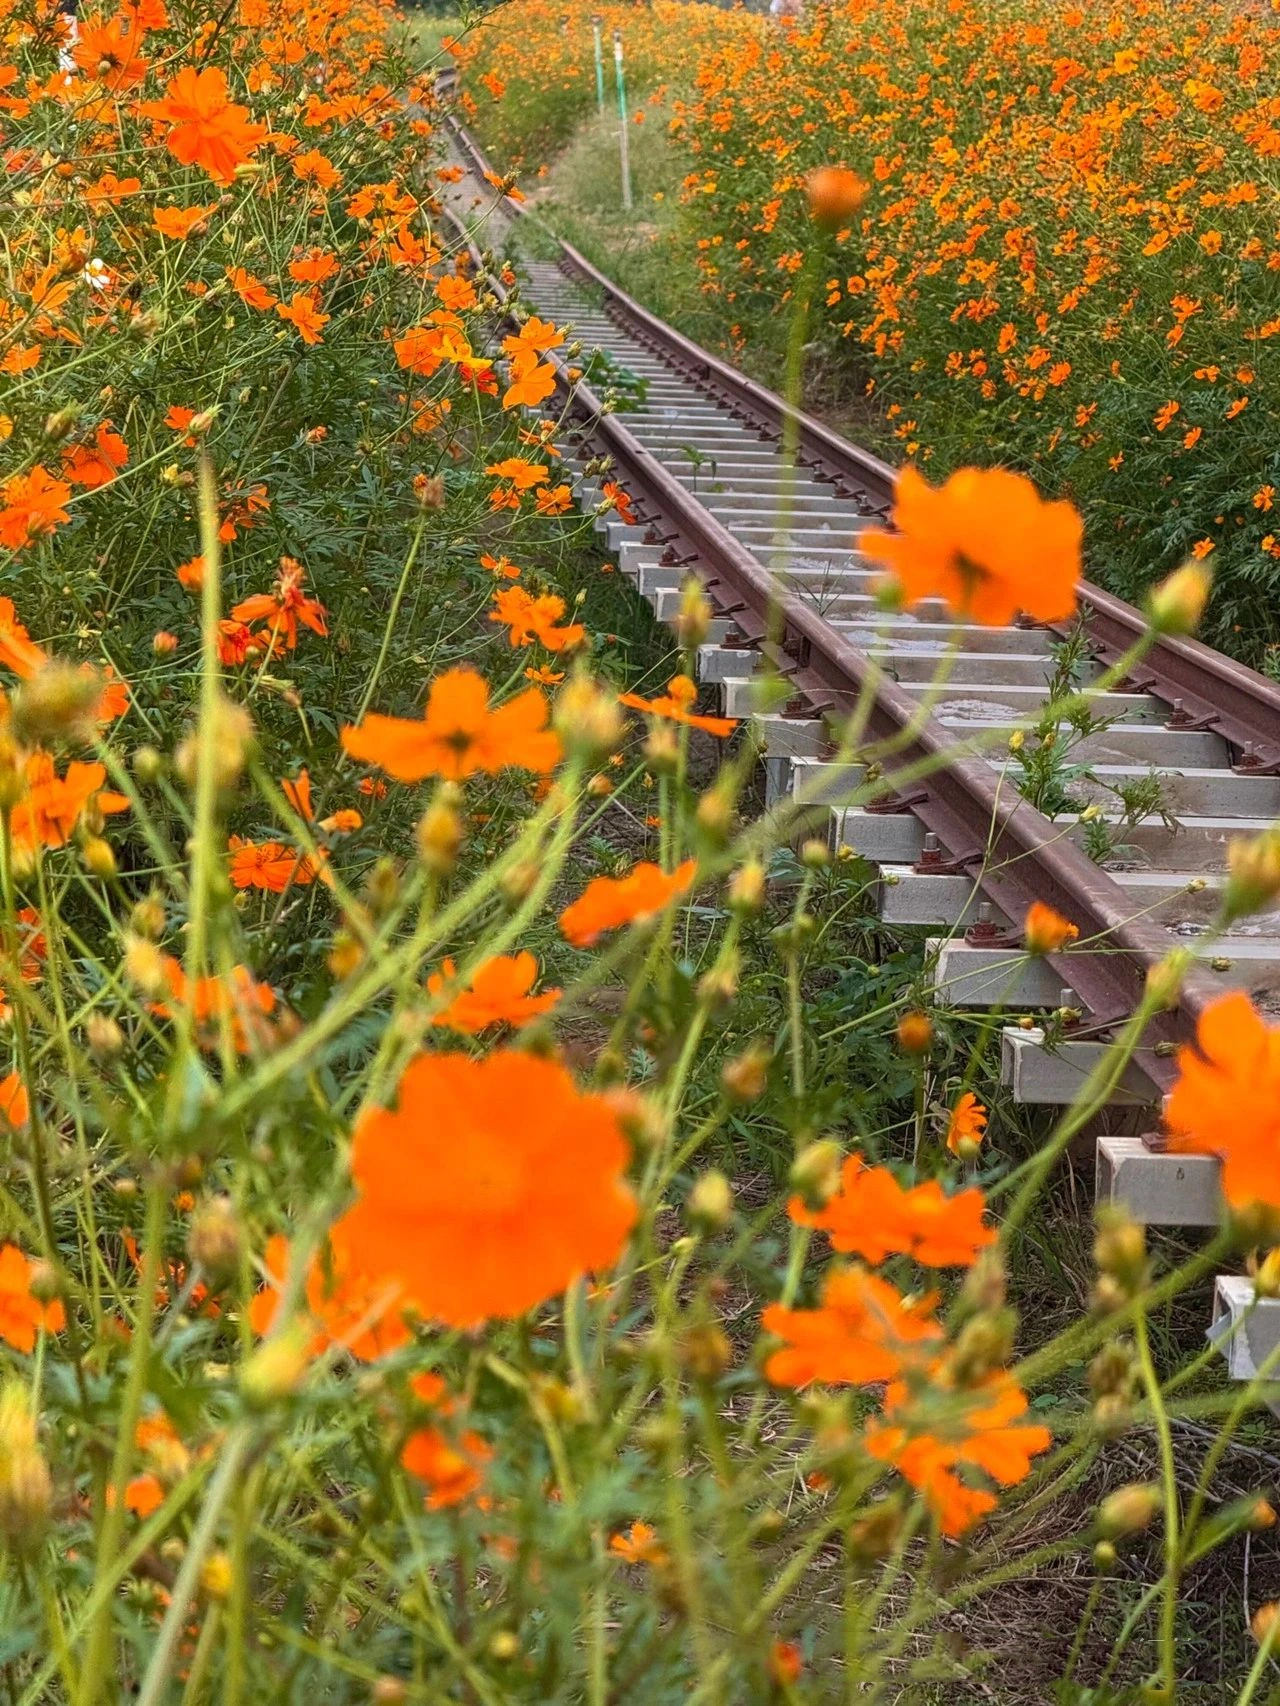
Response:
column 15, row 1105
column 303, row 315
column 873, row 1216
column 31, row 505
column 1045, row 931
column 314, row 268
column 32, row 950
column 638, row 1544
column 500, row 566
column 51, row 807
column 619, row 500
column 608, row 902
column 191, row 574
column 968, row 1122
column 864, row 1332
column 108, row 53
column 313, row 167
column 785, row 1664
column 535, row 335
column 974, row 1428
column 206, row 129
column 676, row 706
column 346, row 1312
column 96, row 464
column 985, row 542
column 286, row 606
column 458, row 734
column 521, row 474
column 237, row 1000
column 21, row 1314
column 251, row 291
column 453, row 1470
column 498, row 994
column 179, row 222
column 489, row 1187
column 1226, row 1100
column 532, row 381
column 18, row 651
column 528, row 619
column 268, row 865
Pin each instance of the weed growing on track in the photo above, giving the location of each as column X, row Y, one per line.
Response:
column 482, row 1217
column 1066, row 256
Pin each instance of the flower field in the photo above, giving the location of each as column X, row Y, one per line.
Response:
column 1066, row 258
column 485, row 1216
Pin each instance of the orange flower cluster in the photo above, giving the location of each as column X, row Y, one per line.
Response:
column 1063, row 251
column 936, row 1426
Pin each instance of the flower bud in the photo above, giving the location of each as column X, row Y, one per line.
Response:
column 1253, row 879
column 745, row 1076
column 26, row 1487
column 440, row 832
column 1104, row 1557
column 985, row 1344
column 746, row 887
column 429, row 490
column 662, row 749
column 715, row 815
column 504, row 1644
column 217, row 1577
column 103, row 1036
column 60, row 423
column 815, row 855
column 1120, row 1248
column 915, row 1033
column 709, row 1205
column 58, row 703
column 144, row 965
column 1112, row 1415
column 346, row 955
column 215, row 1240
column 1177, row 604
column 1114, row 1369
column 693, row 620
column 1267, row 1277
column 275, row 1369
column 875, row 1535
column 835, row 195
column 1164, row 979
column 586, row 716
column 705, row 1353
column 163, row 643
column 97, row 856
column 1261, row 1515
column 229, row 747
column 984, row 1285
column 815, row 1172
column 1128, row 1510
column 1265, row 1624
column 148, row 765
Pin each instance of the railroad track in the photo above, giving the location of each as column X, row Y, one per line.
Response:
column 960, row 850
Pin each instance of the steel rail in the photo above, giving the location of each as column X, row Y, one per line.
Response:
column 1011, row 851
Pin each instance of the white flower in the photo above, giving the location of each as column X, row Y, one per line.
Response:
column 97, row 275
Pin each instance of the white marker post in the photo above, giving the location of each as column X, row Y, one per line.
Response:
column 624, row 141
